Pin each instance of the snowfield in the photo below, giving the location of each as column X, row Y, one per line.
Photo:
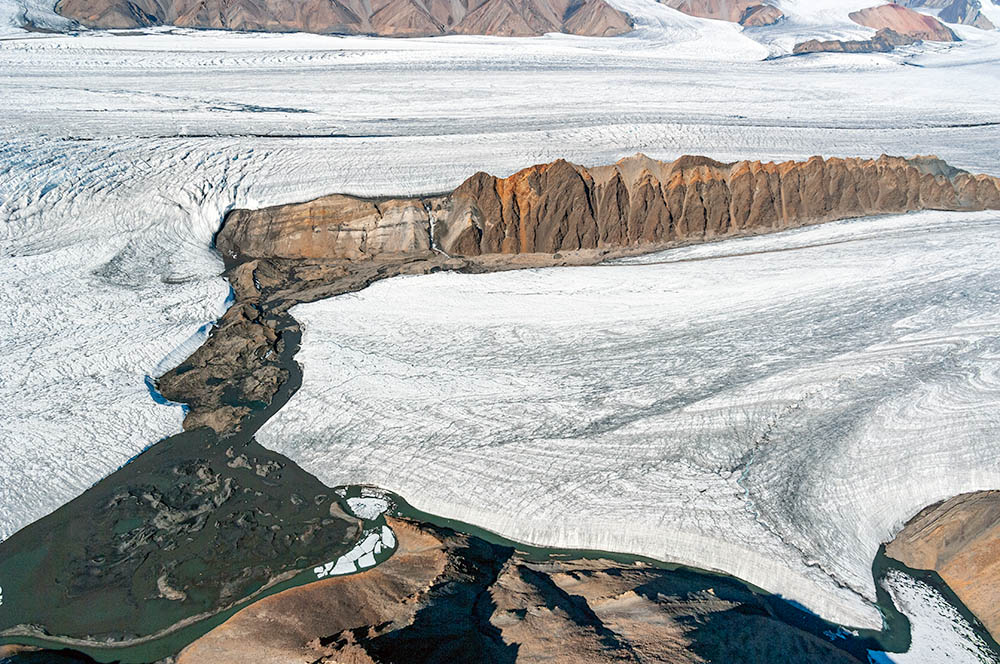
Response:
column 773, row 408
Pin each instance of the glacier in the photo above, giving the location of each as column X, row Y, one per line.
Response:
column 774, row 407
column 120, row 153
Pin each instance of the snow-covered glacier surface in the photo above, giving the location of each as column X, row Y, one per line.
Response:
column 773, row 407
column 120, row 152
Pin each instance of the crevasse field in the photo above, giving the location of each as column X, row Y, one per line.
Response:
column 775, row 415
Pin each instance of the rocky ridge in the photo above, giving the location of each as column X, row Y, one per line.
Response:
column 965, row 12
column 389, row 18
column 546, row 215
column 637, row 202
column 884, row 41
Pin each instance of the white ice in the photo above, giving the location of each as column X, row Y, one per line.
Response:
column 939, row 632
column 367, row 508
column 362, row 556
column 773, row 408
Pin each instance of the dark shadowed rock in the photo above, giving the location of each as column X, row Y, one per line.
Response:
column 450, row 597
column 966, row 12
column 760, row 15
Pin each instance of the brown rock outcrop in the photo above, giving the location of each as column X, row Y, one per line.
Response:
column 745, row 12
column 903, row 21
column 637, row 202
column 331, row 227
column 389, row 18
column 288, row 627
column 960, row 540
column 449, row 597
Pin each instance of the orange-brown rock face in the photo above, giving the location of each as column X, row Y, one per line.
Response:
column 637, row 202
column 390, row 18
column 903, row 21
column 960, row 540
column 563, row 207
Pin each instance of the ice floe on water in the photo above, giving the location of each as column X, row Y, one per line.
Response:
column 375, row 545
column 368, row 508
column 773, row 407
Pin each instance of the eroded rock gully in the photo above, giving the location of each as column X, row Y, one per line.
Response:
column 637, row 202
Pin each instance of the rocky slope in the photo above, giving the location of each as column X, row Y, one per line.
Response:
column 966, row 12
column 391, row 18
column 960, row 540
column 448, row 597
column 638, row 202
column 903, row 21
column 745, row 12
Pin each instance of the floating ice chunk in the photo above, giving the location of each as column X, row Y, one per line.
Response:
column 368, row 508
column 362, row 556
column 388, row 537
